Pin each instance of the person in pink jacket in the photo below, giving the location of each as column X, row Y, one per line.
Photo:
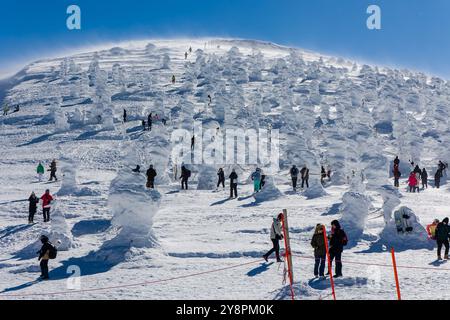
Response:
column 412, row 182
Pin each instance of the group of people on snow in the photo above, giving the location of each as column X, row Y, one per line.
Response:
column 335, row 243
column 418, row 178
column 304, row 173
column 146, row 124
column 46, row 201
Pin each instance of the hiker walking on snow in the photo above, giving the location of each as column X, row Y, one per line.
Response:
column 323, row 175
column 32, row 208
column 185, row 55
column 233, row 184
column 294, row 177
column 173, row 79
column 46, row 205
column 192, row 142
column 442, row 236
column 151, row 174
column 397, row 175
column 40, row 171
column 149, row 122
column 396, row 162
column 305, row 176
column 338, row 239
column 276, row 235
column 437, row 178
column 44, row 256
column 185, row 174
column 318, row 243
column 424, row 176
column 256, row 177
column 53, row 170
column 412, row 182
column 124, row 115
column 221, row 176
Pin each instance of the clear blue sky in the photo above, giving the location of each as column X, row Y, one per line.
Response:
column 415, row 33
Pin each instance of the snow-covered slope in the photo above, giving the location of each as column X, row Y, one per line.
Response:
column 349, row 117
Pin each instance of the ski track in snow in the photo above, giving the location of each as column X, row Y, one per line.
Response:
column 196, row 231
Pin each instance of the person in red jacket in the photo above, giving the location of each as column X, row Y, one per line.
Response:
column 412, row 182
column 46, row 204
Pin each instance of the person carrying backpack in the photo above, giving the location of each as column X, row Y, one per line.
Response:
column 185, row 174
column 318, row 243
column 397, row 175
column 294, row 177
column 233, row 184
column 46, row 205
column 221, row 175
column 276, row 235
column 338, row 239
column 47, row 252
column 151, row 174
column 32, row 208
column 40, row 171
column 431, row 229
column 442, row 236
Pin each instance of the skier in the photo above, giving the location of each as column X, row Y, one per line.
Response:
column 323, row 175
column 143, row 125
column 424, row 176
column 412, row 182
column 40, row 171
column 151, row 174
column 437, row 178
column 397, row 175
column 44, row 256
column 275, row 235
column 318, row 243
column 185, row 174
column 294, row 177
column 256, row 177
column 192, row 142
column 431, row 229
column 173, row 79
column 442, row 236
column 32, row 208
column 233, row 183
column 53, row 170
column 221, row 175
column 338, row 239
column 46, row 205
column 124, row 115
column 137, row 169
column 305, row 176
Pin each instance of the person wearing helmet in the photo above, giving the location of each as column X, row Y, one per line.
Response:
column 276, row 235
column 44, row 256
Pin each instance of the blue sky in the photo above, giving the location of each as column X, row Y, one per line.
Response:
column 415, row 33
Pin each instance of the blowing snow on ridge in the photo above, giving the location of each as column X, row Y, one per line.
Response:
column 173, row 104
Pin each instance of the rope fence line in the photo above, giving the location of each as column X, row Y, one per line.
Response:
column 208, row 272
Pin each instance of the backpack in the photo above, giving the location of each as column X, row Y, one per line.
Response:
column 344, row 238
column 52, row 252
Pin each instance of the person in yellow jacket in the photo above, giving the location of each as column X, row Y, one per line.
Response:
column 431, row 229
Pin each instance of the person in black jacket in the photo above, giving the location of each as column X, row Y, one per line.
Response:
column 442, row 236
column 424, row 177
column 437, row 178
column 185, row 174
column 338, row 239
column 233, row 184
column 151, row 174
column 294, row 177
column 33, row 200
column 150, row 122
column 137, row 169
column 318, row 243
column 53, row 171
column 305, row 176
column 124, row 115
column 221, row 175
column 44, row 256
column 417, row 169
